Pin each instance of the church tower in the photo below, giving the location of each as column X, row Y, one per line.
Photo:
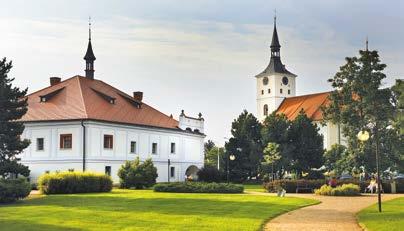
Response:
column 89, row 57
column 275, row 83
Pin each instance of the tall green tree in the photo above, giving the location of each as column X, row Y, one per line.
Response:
column 359, row 103
column 12, row 107
column 271, row 156
column 275, row 130
column 306, row 152
column 245, row 144
column 398, row 91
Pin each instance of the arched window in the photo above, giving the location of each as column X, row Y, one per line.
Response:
column 265, row 109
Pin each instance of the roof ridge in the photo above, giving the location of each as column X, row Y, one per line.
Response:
column 42, row 89
column 298, row 96
column 131, row 96
column 81, row 94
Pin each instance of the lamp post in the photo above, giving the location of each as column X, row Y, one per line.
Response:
column 231, row 157
column 364, row 136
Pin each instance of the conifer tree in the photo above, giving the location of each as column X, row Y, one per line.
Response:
column 13, row 106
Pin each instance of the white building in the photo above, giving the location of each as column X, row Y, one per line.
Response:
column 276, row 91
column 82, row 123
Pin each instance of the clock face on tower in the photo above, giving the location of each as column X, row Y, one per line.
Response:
column 285, row 80
column 265, row 81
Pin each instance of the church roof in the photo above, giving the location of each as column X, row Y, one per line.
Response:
column 80, row 98
column 311, row 104
column 275, row 66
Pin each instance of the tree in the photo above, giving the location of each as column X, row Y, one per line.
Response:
column 275, row 130
column 306, row 145
column 358, row 103
column 209, row 145
column 337, row 159
column 398, row 92
column 209, row 174
column 211, row 157
column 13, row 106
column 246, row 146
column 272, row 155
column 138, row 175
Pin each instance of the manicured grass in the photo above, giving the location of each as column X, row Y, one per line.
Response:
column 391, row 219
column 254, row 188
column 145, row 210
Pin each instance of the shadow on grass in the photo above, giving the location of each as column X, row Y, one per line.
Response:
column 18, row 225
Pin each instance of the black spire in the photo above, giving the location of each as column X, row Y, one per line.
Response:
column 275, row 46
column 275, row 64
column 89, row 57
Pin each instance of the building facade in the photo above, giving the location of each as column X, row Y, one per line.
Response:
column 85, row 124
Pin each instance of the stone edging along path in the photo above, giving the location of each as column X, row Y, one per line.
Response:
column 333, row 213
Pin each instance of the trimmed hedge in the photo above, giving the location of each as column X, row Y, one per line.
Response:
column 291, row 185
column 74, row 182
column 13, row 189
column 342, row 190
column 198, row 187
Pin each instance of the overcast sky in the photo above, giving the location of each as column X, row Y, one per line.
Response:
column 200, row 56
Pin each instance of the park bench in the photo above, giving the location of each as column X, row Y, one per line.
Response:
column 303, row 186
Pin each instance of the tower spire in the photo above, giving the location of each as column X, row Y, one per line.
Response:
column 275, row 46
column 89, row 57
column 89, row 28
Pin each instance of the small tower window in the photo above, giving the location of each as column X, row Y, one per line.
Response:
column 265, row 109
column 281, row 91
column 262, row 92
column 269, row 91
column 289, row 92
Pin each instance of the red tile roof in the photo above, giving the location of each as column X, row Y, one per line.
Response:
column 80, row 99
column 311, row 104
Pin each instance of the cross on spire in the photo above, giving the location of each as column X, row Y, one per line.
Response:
column 89, row 28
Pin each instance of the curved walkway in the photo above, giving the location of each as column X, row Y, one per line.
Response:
column 333, row 213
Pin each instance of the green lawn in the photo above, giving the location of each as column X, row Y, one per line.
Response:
column 254, row 188
column 391, row 219
column 145, row 210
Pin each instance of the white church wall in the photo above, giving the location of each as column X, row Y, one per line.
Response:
column 188, row 148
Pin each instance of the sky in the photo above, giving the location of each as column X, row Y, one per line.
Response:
column 199, row 56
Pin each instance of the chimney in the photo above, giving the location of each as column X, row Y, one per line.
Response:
column 138, row 96
column 54, row 80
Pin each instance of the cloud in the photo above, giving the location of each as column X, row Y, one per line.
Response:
column 197, row 65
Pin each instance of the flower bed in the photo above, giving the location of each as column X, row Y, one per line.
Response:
column 342, row 190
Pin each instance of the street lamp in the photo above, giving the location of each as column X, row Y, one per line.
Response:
column 231, row 157
column 364, row 136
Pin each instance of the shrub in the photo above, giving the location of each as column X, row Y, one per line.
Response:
column 209, row 174
column 342, row 190
column 13, row 189
column 290, row 186
column 134, row 174
column 198, row 187
column 74, row 182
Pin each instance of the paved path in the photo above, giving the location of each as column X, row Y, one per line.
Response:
column 333, row 213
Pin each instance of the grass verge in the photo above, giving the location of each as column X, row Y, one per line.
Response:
column 391, row 219
column 145, row 210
